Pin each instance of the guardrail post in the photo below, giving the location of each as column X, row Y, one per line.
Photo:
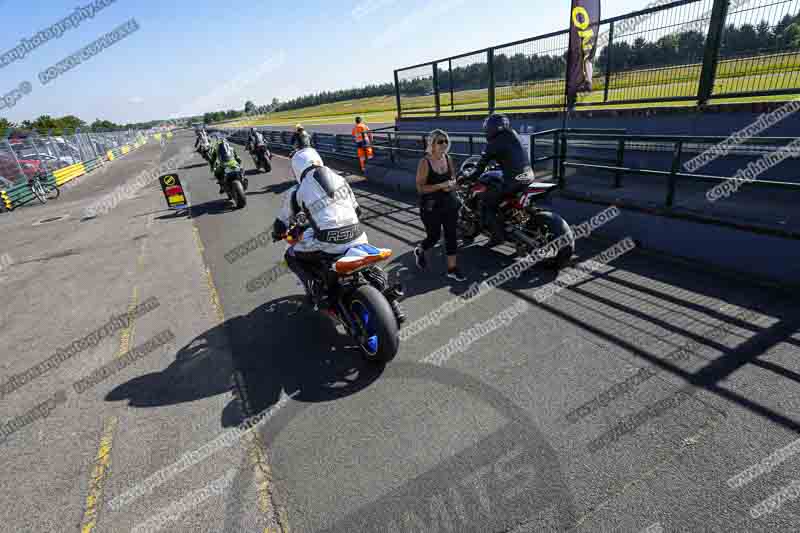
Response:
column 397, row 94
column 391, row 149
column 711, row 55
column 490, row 64
column 436, row 88
column 452, row 99
column 676, row 166
column 562, row 174
column 609, row 48
column 556, row 166
column 620, row 162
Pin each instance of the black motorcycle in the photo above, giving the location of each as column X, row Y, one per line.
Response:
column 529, row 227
column 356, row 293
column 261, row 157
column 235, row 184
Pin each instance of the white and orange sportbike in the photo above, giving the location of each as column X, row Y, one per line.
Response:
column 319, row 219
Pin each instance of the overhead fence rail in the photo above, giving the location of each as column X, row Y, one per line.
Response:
column 57, row 159
column 685, row 52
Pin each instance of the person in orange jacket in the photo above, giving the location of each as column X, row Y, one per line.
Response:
column 363, row 139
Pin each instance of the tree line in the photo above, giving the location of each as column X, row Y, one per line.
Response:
column 69, row 123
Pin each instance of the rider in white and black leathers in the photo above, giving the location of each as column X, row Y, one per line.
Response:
column 331, row 212
column 202, row 139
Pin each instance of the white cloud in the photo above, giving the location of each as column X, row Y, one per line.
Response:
column 136, row 100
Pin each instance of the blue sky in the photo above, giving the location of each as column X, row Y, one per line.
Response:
column 192, row 57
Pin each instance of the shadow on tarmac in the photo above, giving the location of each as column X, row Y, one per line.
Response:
column 189, row 167
column 269, row 358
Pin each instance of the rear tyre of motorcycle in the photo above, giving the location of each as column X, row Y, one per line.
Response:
column 267, row 165
column 378, row 335
column 239, row 198
column 556, row 228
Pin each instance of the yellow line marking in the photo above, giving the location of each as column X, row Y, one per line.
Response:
column 197, row 240
column 127, row 333
column 212, row 288
column 102, row 465
column 263, row 472
column 215, row 297
column 103, row 461
column 263, row 478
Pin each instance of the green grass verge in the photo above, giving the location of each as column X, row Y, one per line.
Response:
column 779, row 71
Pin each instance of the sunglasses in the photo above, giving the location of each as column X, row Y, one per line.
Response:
column 442, row 141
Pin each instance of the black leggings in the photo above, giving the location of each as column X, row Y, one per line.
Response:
column 434, row 221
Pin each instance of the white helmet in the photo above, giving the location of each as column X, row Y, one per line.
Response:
column 302, row 159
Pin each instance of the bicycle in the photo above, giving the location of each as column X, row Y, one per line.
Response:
column 43, row 191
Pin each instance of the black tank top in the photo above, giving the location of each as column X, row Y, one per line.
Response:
column 442, row 198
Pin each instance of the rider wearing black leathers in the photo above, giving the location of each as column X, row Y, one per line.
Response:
column 504, row 146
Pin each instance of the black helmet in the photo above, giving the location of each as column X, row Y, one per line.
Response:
column 494, row 124
column 358, row 120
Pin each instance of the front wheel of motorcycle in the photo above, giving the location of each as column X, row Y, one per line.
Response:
column 547, row 227
column 376, row 325
column 239, row 196
column 267, row 165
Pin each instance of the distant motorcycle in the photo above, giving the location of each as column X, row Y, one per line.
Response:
column 235, row 184
column 261, row 157
column 360, row 296
column 204, row 150
column 526, row 225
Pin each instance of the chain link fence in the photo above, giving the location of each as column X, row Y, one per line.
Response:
column 24, row 153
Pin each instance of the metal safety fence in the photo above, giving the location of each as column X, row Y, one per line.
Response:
column 56, row 159
column 605, row 162
column 687, row 51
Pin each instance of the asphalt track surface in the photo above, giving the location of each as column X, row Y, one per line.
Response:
column 481, row 443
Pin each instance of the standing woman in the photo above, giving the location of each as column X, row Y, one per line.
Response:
column 438, row 203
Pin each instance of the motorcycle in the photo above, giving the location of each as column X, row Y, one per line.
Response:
column 235, row 184
column 359, row 296
column 203, row 150
column 261, row 157
column 529, row 227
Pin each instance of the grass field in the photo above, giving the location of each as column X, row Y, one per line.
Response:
column 780, row 71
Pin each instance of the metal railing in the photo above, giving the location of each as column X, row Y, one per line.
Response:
column 680, row 144
column 402, row 149
column 688, row 51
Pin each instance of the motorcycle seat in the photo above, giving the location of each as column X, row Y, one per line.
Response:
column 360, row 256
